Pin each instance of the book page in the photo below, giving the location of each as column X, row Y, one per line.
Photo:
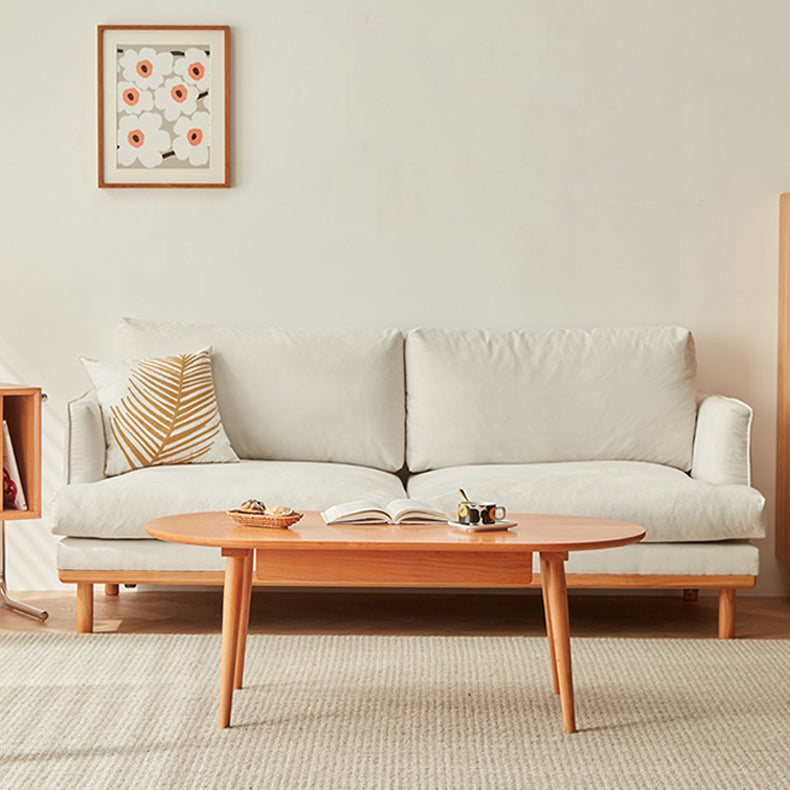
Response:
column 358, row 510
column 401, row 510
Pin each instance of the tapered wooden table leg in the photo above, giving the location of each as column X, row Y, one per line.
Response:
column 231, row 616
column 244, row 620
column 544, row 572
column 553, row 582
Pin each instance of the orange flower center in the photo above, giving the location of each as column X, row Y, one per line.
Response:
column 144, row 68
column 195, row 136
column 196, row 71
column 136, row 138
column 179, row 93
column 131, row 96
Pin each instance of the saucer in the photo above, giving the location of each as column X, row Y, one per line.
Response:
column 497, row 526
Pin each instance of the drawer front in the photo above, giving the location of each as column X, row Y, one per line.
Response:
column 393, row 568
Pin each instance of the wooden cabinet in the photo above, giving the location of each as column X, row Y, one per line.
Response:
column 20, row 407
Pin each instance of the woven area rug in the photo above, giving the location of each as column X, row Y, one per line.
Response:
column 371, row 712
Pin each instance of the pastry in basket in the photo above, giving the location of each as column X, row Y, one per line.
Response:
column 278, row 510
column 255, row 514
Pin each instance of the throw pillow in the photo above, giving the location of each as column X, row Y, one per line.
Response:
column 161, row 410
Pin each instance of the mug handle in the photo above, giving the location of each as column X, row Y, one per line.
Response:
column 496, row 513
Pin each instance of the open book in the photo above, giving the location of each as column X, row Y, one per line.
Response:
column 13, row 493
column 399, row 511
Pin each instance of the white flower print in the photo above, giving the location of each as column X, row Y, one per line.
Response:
column 193, row 138
column 141, row 138
column 194, row 68
column 133, row 100
column 146, row 68
column 176, row 98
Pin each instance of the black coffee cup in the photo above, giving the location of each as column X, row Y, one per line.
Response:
column 480, row 513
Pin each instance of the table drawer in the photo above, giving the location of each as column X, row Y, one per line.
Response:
column 393, row 568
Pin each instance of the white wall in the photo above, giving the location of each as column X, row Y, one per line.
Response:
column 526, row 163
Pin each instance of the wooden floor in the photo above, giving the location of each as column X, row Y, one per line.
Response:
column 179, row 611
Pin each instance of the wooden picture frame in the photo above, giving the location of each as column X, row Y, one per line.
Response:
column 163, row 105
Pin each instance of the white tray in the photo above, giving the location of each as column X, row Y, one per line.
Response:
column 497, row 526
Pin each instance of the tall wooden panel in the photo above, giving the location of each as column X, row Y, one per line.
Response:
column 783, row 388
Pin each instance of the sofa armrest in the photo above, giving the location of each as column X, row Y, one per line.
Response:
column 85, row 447
column 722, row 441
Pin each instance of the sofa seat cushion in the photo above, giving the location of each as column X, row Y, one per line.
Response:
column 668, row 503
column 717, row 558
column 726, row 558
column 90, row 554
column 120, row 507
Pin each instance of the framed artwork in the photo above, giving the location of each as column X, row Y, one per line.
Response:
column 163, row 106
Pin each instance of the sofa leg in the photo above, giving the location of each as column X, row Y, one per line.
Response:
column 84, row 608
column 691, row 594
column 111, row 589
column 727, row 613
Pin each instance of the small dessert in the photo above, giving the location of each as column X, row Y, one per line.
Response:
column 253, row 513
column 278, row 510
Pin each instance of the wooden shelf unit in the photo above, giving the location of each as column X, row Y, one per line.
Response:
column 20, row 407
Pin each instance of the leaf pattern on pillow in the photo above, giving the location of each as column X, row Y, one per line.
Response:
column 169, row 414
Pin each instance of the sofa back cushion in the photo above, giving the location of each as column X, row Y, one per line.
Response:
column 295, row 394
column 523, row 396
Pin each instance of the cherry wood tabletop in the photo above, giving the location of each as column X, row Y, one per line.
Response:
column 534, row 532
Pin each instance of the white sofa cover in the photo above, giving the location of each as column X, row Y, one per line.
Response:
column 294, row 394
column 120, row 506
column 605, row 422
column 534, row 396
column 670, row 504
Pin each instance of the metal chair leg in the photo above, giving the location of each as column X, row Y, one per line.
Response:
column 5, row 599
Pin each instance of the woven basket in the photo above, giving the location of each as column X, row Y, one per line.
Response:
column 248, row 519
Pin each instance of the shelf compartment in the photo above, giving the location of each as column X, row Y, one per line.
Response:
column 20, row 407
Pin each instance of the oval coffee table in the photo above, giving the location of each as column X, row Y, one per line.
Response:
column 311, row 553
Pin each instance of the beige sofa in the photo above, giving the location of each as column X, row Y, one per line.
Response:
column 606, row 423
